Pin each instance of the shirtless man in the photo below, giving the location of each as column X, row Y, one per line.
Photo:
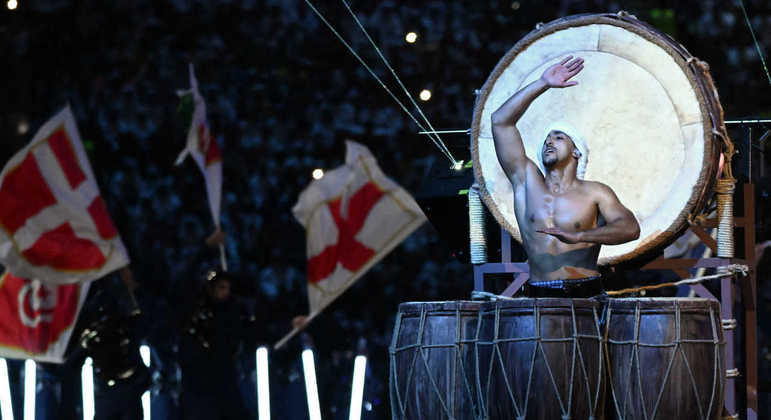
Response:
column 562, row 218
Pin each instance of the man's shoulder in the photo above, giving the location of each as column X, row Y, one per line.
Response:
column 596, row 187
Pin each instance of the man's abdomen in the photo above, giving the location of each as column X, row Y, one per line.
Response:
column 564, row 262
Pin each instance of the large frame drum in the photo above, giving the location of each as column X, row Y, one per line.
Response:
column 540, row 359
column 647, row 109
column 432, row 361
column 665, row 358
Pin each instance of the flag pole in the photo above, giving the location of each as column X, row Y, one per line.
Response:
column 223, row 261
column 222, row 258
column 296, row 330
column 128, row 280
column 305, row 323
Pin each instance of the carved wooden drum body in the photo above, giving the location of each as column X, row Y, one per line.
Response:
column 647, row 110
column 540, row 359
column 665, row 359
column 433, row 361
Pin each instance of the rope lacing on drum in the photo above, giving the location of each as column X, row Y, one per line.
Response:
column 677, row 348
column 577, row 350
column 548, row 368
column 423, row 356
column 447, row 400
column 716, row 355
column 496, row 359
column 394, row 378
column 459, row 343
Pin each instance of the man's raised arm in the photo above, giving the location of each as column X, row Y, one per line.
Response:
column 506, row 137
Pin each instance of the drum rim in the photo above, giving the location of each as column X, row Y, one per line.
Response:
column 541, row 303
column 663, row 303
column 709, row 106
column 439, row 306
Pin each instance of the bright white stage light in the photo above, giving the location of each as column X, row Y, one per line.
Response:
column 22, row 127
column 311, row 389
column 30, row 377
column 425, row 94
column 12, row 4
column 411, row 37
column 318, row 173
column 144, row 353
column 263, row 392
column 6, row 409
column 357, row 389
column 87, row 378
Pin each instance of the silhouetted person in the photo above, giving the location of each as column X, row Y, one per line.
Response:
column 212, row 336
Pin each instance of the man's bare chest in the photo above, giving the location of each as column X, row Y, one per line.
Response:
column 572, row 211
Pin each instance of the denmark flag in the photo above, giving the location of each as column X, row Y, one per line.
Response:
column 353, row 217
column 203, row 148
column 37, row 318
column 54, row 225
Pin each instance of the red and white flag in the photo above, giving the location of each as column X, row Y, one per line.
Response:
column 353, row 217
column 203, row 148
column 54, row 225
column 37, row 319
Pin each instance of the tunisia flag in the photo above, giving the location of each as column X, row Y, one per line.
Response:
column 54, row 225
column 353, row 217
column 36, row 319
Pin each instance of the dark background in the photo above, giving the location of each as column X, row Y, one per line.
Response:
column 283, row 95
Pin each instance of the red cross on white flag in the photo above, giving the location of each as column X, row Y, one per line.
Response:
column 203, row 148
column 37, row 319
column 54, row 225
column 353, row 217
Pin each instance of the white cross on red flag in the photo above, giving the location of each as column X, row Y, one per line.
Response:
column 353, row 216
column 54, row 225
column 37, row 318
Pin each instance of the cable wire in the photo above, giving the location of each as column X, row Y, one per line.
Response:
column 398, row 80
column 439, row 144
column 754, row 39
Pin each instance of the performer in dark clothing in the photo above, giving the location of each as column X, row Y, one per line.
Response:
column 214, row 331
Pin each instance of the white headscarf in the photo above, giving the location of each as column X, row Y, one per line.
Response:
column 578, row 141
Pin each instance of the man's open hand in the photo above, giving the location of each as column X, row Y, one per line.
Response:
column 559, row 75
column 567, row 237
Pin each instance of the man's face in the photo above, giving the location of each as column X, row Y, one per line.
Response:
column 557, row 147
column 221, row 290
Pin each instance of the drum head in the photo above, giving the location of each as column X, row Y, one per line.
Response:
column 643, row 110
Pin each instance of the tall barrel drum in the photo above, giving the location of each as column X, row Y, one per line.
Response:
column 432, row 361
column 665, row 358
column 540, row 359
